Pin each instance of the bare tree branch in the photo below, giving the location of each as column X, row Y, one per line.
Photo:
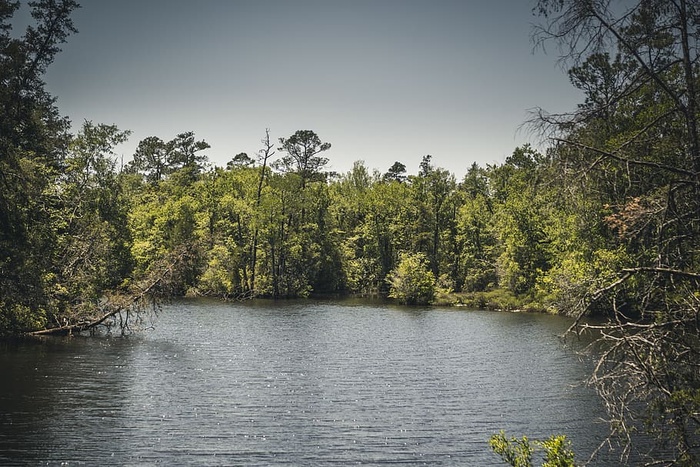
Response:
column 613, row 155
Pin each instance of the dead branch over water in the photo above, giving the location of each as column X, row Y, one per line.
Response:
column 123, row 310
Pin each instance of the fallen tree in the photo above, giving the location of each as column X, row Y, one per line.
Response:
column 122, row 310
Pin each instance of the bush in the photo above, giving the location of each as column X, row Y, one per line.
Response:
column 411, row 282
column 519, row 452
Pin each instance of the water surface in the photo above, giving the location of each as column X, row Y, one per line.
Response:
column 296, row 383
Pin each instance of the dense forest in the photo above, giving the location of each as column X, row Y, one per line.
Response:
column 605, row 221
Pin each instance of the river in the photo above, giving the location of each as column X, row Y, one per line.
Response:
column 303, row 383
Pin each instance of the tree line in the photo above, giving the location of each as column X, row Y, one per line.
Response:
column 279, row 225
column 603, row 221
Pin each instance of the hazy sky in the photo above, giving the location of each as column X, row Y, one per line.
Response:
column 382, row 80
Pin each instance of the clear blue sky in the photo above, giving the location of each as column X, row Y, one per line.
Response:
column 381, row 80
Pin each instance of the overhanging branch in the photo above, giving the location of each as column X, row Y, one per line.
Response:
column 614, row 156
column 115, row 304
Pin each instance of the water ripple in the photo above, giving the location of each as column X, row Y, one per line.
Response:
column 295, row 383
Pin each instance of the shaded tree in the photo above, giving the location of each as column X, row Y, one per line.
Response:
column 645, row 102
column 33, row 143
column 520, row 216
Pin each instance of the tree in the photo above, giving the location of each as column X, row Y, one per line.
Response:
column 185, row 153
column 226, row 223
column 433, row 223
column 33, row 142
column 302, row 157
column 240, row 160
column 396, row 172
column 520, row 218
column 383, row 231
column 264, row 156
column 476, row 233
column 350, row 209
column 156, row 159
column 412, row 282
column 65, row 262
column 151, row 159
column 94, row 241
column 637, row 137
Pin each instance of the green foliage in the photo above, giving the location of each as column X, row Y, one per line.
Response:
column 283, row 236
column 94, row 238
column 476, row 234
column 513, row 451
column 63, row 235
column 180, row 158
column 519, row 452
column 497, row 299
column 218, row 278
column 577, row 275
column 605, row 221
column 412, row 282
column 16, row 319
column 558, row 452
column 240, row 160
column 167, row 218
column 397, row 173
column 681, row 404
column 302, row 157
column 520, row 217
column 628, row 161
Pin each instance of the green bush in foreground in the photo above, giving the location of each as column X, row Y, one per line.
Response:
column 519, row 452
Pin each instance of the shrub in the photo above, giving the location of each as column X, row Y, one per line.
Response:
column 412, row 282
column 519, row 452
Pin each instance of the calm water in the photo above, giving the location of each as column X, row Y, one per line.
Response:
column 295, row 383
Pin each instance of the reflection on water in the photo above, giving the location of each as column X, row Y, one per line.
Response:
column 295, row 383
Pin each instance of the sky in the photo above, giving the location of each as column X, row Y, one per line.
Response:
column 381, row 80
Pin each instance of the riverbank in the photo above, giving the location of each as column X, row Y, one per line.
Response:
column 492, row 300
